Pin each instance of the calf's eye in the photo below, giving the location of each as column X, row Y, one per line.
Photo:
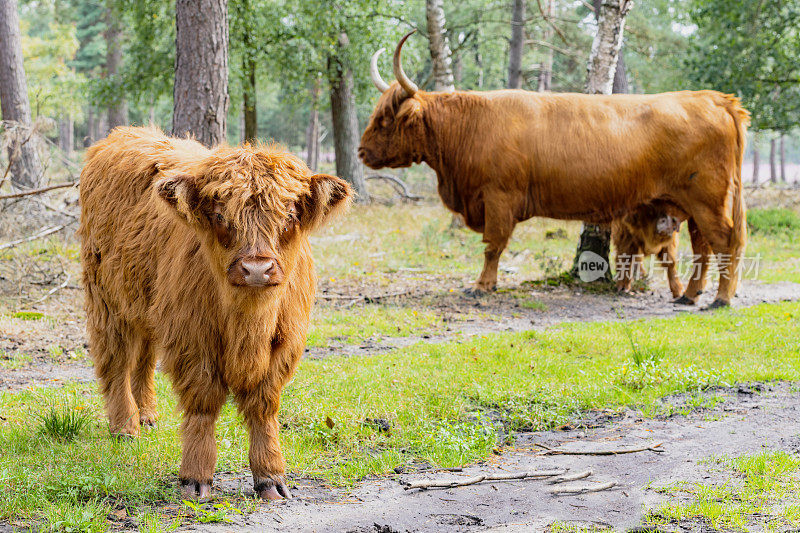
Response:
column 220, row 218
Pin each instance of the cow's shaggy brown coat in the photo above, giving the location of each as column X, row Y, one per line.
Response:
column 169, row 230
column 502, row 157
column 651, row 229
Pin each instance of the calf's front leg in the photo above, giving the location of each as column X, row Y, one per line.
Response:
column 498, row 227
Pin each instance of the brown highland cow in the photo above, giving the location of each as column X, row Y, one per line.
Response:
column 649, row 229
column 200, row 257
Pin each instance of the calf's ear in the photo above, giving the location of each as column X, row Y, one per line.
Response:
column 180, row 193
column 328, row 197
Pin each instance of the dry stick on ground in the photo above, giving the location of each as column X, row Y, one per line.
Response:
column 400, row 184
column 582, row 489
column 449, row 484
column 53, row 290
column 570, row 477
column 44, row 233
column 554, row 451
column 366, row 297
column 38, row 191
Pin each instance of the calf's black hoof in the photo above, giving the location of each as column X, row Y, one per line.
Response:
column 683, row 300
column 717, row 304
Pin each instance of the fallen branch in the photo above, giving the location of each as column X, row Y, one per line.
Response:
column 53, row 290
column 570, row 477
column 400, row 185
column 556, row 451
column 449, row 484
column 44, row 233
column 582, row 489
column 37, row 191
column 366, row 298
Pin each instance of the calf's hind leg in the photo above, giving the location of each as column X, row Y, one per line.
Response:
column 702, row 254
column 142, row 382
column 498, row 227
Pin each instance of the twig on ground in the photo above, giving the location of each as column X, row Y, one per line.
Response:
column 38, row 191
column 449, row 484
column 53, row 290
column 555, row 451
column 570, row 477
column 582, row 489
column 367, row 298
column 44, row 233
column 400, row 185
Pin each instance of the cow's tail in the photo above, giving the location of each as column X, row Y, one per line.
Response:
column 738, row 237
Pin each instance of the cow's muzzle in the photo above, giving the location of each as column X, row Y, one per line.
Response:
column 255, row 272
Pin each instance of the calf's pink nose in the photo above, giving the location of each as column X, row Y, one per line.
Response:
column 257, row 271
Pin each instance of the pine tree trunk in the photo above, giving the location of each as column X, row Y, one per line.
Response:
column 783, row 158
column 25, row 166
column 346, row 134
column 439, row 47
column 118, row 108
column 90, row 127
column 546, row 69
column 773, row 169
column 201, row 70
column 66, row 136
column 249, row 100
column 604, row 61
column 479, row 61
column 516, row 45
column 312, row 131
column 756, row 160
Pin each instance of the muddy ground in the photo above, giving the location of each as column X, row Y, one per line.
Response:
column 464, row 316
column 749, row 419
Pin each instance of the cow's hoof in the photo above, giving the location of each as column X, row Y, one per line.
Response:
column 272, row 489
column 683, row 300
column 147, row 418
column 717, row 304
column 195, row 490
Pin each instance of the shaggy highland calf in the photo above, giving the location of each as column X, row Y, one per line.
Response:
column 505, row 156
column 200, row 257
column 650, row 229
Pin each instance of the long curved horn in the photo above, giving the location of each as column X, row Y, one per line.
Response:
column 405, row 82
column 374, row 74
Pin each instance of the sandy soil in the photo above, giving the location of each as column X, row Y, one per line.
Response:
column 750, row 419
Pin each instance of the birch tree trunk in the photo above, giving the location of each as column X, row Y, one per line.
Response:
column 603, row 62
column 439, row 47
column 546, row 69
column 516, row 44
column 118, row 107
column 783, row 158
column 25, row 167
column 346, row 135
column 201, row 70
column 756, row 159
column 773, row 169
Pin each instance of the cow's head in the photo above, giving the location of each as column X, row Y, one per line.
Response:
column 252, row 208
column 395, row 135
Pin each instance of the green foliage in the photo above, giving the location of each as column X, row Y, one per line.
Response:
column 63, row 422
column 212, row 513
column 774, row 221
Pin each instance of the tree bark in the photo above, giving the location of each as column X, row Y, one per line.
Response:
column 756, row 160
column 66, row 135
column 604, row 61
column 479, row 60
column 783, row 158
column 312, row 131
column 249, row 99
column 201, row 70
column 346, row 135
column 516, row 44
column 25, row 167
column 546, row 69
column 773, row 170
column 439, row 47
column 118, row 107
column 90, row 127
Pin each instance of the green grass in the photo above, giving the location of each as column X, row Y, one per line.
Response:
column 372, row 321
column 760, row 493
column 443, row 402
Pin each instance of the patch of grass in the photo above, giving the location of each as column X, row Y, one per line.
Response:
column 536, row 305
column 212, row 513
column 447, row 404
column 353, row 326
column 28, row 315
column 759, row 494
column 773, row 221
column 63, row 423
column 14, row 360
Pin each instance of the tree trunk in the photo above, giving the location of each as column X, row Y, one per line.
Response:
column 201, row 70
column 90, row 127
column 346, row 135
column 756, row 160
column 25, row 167
column 783, row 158
column 546, row 69
column 458, row 68
column 516, row 45
column 479, row 60
column 312, row 132
column 439, row 47
column 249, row 99
column 66, row 136
column 604, row 61
column 773, row 170
column 118, row 108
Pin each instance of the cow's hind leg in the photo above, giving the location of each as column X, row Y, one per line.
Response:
column 201, row 398
column 142, row 382
column 719, row 232
column 701, row 251
column 110, row 347
column 498, row 227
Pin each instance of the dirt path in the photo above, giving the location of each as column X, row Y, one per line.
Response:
column 466, row 316
column 749, row 420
